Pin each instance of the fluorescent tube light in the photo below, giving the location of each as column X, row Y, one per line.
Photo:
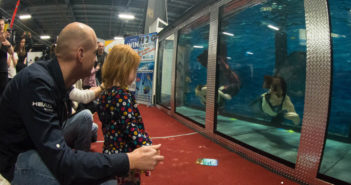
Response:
column 273, row 27
column 126, row 16
column 25, row 16
column 196, row 46
column 45, row 37
column 229, row 34
column 118, row 38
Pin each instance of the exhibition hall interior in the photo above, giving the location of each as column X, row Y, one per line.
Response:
column 235, row 91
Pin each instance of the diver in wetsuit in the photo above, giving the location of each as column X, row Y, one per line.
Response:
column 229, row 82
column 275, row 103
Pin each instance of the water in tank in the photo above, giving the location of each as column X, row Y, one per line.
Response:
column 261, row 78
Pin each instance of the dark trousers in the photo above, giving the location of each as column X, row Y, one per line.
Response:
column 77, row 131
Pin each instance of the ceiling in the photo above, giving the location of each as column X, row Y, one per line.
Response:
column 50, row 16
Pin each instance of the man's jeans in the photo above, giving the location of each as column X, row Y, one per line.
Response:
column 30, row 169
column 77, row 130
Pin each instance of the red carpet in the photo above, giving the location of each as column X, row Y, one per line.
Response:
column 97, row 146
column 179, row 167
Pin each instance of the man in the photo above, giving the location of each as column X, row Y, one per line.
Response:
column 34, row 109
column 5, row 47
column 101, row 55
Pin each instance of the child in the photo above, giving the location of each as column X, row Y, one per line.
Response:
column 122, row 125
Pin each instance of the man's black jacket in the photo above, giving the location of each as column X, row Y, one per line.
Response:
column 32, row 110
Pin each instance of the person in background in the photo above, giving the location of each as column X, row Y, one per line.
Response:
column 84, row 96
column 22, row 55
column 29, row 41
column 34, row 113
column 122, row 125
column 11, row 60
column 101, row 55
column 78, row 95
column 5, row 47
column 52, row 51
column 11, row 63
column 89, row 82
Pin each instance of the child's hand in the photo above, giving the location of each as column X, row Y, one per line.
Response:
column 147, row 173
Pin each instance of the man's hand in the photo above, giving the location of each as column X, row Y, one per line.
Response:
column 145, row 158
column 2, row 36
column 7, row 34
column 8, row 44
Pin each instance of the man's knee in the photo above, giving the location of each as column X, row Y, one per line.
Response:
column 30, row 169
column 86, row 116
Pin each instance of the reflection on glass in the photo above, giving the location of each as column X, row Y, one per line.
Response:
column 191, row 72
column 164, row 75
column 336, row 160
column 261, row 75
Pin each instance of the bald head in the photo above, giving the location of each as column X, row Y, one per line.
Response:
column 74, row 36
column 101, row 48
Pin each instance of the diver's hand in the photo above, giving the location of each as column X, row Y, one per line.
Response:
column 201, row 91
column 145, row 158
column 293, row 116
column 223, row 95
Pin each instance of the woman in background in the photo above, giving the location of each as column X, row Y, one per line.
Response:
column 22, row 55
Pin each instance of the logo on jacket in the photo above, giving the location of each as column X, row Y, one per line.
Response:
column 45, row 106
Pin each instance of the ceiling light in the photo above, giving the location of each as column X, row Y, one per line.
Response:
column 229, row 34
column 126, row 16
column 118, row 38
column 45, row 37
column 195, row 46
column 273, row 27
column 25, row 16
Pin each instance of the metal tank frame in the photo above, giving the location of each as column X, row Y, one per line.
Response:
column 318, row 86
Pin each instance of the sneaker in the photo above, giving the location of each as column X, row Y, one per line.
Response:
column 94, row 130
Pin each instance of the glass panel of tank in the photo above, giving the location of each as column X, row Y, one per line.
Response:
column 192, row 69
column 336, row 160
column 261, row 75
column 164, row 71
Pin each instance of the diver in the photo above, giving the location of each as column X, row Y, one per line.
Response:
column 229, row 82
column 275, row 103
